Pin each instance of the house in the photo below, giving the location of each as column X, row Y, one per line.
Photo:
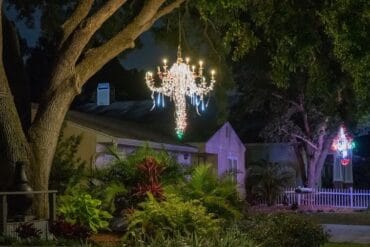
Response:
column 223, row 149
column 99, row 132
column 230, row 151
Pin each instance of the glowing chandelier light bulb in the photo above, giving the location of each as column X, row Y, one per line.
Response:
column 180, row 82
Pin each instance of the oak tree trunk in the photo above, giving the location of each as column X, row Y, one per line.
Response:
column 44, row 135
column 13, row 142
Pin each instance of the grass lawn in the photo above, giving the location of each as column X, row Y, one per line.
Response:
column 358, row 218
column 345, row 245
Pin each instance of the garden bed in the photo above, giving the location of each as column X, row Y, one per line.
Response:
column 106, row 239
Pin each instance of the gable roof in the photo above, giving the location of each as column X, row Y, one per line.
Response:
column 122, row 129
column 228, row 124
column 199, row 129
column 201, row 145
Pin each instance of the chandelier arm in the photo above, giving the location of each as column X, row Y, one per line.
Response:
column 153, row 98
column 197, row 110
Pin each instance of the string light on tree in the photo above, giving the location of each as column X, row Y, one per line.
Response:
column 342, row 144
column 180, row 82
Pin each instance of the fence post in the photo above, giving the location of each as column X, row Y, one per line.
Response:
column 351, row 196
column 52, row 206
column 299, row 199
column 3, row 215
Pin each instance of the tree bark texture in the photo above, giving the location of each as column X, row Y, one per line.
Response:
column 311, row 147
column 13, row 142
column 73, row 66
column 316, row 156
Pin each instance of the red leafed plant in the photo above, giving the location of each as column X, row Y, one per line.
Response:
column 151, row 170
column 66, row 230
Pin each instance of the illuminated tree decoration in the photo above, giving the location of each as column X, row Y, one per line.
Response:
column 178, row 83
column 342, row 144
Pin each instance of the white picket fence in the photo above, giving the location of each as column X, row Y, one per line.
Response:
column 341, row 198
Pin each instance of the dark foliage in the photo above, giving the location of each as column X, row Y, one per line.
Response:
column 65, row 230
column 28, row 231
column 67, row 167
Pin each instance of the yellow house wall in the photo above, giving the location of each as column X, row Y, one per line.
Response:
column 87, row 149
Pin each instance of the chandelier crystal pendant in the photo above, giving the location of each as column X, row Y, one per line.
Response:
column 179, row 82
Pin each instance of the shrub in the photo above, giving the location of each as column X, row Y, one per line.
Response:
column 149, row 170
column 281, row 230
column 169, row 217
column 266, row 180
column 6, row 240
column 67, row 168
column 144, row 171
column 107, row 192
column 28, row 231
column 229, row 237
column 125, row 169
column 80, row 208
column 218, row 195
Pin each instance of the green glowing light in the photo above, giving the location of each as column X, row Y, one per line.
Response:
column 353, row 145
column 180, row 134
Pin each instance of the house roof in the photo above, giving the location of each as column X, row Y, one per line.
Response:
column 125, row 131
column 199, row 129
column 143, row 124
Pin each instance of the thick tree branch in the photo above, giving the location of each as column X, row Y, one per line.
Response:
column 313, row 145
column 167, row 9
column 75, row 44
column 82, row 10
column 324, row 154
column 299, row 106
column 96, row 58
column 13, row 142
column 304, row 115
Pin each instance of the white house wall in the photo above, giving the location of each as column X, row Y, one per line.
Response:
column 227, row 144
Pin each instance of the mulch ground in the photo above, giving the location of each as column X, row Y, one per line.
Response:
column 107, row 239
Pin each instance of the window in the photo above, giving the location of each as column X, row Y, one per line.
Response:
column 233, row 168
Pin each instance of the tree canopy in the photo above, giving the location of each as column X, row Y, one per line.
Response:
column 308, row 72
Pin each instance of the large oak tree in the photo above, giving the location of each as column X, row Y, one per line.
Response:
column 73, row 66
column 83, row 42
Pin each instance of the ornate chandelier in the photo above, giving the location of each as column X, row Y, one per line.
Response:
column 180, row 82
